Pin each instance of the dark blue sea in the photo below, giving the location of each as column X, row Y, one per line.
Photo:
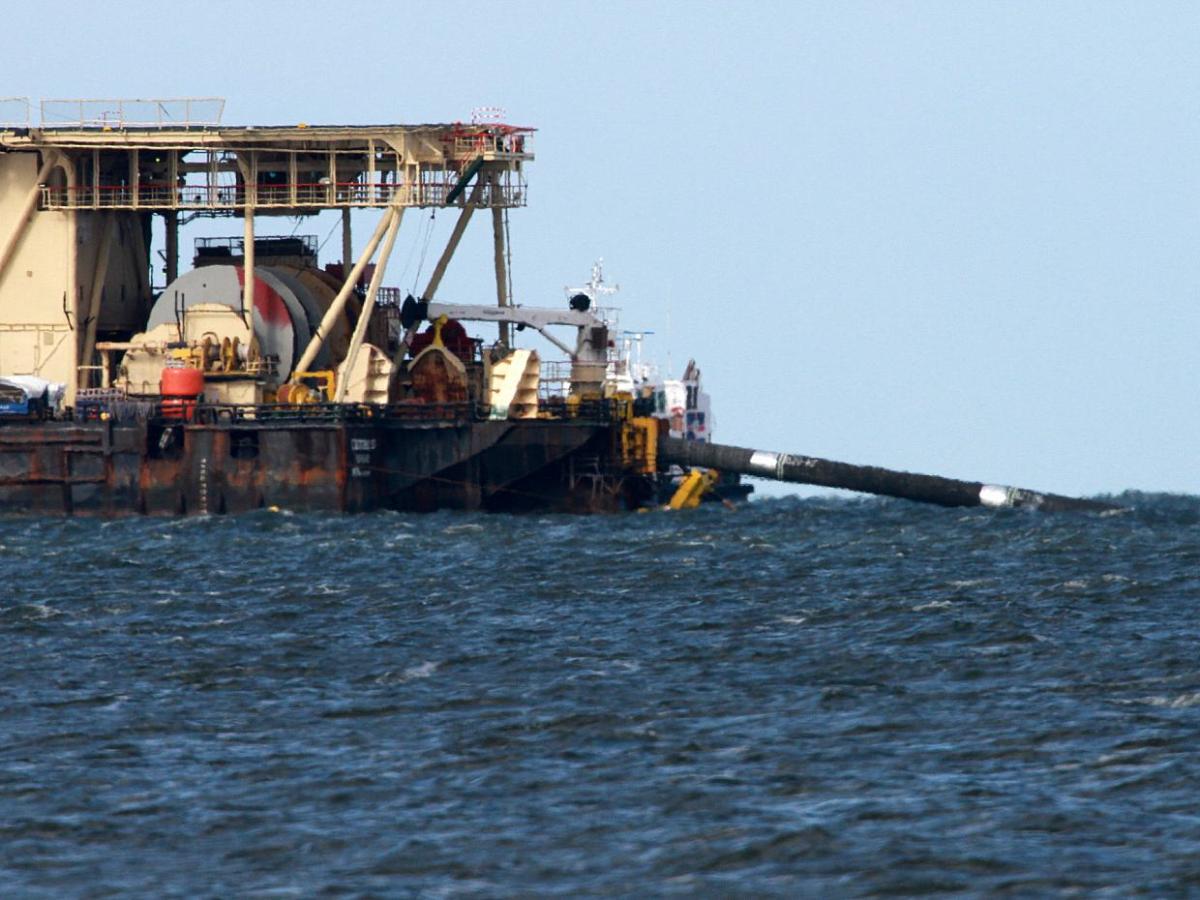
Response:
column 816, row 697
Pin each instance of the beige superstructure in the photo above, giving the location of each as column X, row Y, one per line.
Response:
column 77, row 201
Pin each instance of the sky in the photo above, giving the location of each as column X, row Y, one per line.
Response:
column 948, row 237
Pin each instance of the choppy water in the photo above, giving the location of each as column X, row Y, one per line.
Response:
column 801, row 697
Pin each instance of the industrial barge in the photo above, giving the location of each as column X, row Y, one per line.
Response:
column 260, row 378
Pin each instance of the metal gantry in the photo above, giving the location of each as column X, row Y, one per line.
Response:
column 103, row 164
column 289, row 171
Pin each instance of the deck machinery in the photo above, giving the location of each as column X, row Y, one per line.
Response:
column 310, row 397
column 258, row 380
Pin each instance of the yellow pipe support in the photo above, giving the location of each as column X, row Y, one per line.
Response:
column 437, row 332
column 692, row 489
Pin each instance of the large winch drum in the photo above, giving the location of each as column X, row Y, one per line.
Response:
column 286, row 312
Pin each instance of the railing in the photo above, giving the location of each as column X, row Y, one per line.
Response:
column 590, row 411
column 436, row 193
column 335, row 412
column 181, row 112
column 278, row 196
column 568, row 409
column 389, row 296
column 349, row 193
column 492, row 145
column 554, row 379
column 174, row 112
column 94, row 403
column 308, row 244
column 15, row 112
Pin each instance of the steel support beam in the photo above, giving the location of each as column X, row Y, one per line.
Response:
column 364, row 317
column 460, row 226
column 247, row 164
column 135, row 182
column 97, row 294
column 501, row 269
column 73, row 290
column 248, row 267
column 171, row 226
column 48, row 163
column 339, row 302
column 173, row 177
column 141, row 258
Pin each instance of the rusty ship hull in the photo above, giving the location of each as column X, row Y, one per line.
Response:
column 109, row 468
column 263, row 379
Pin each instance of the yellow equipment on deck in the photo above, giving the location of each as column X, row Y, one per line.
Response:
column 308, row 387
column 692, row 489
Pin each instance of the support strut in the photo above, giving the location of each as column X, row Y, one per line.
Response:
column 364, row 317
column 22, row 218
column 499, row 250
column 339, row 302
column 460, row 226
column 96, row 297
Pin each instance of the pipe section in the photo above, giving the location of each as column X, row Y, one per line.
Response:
column 865, row 479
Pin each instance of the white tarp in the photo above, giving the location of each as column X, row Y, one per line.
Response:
column 34, row 387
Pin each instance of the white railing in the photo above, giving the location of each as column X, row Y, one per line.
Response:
column 554, row 378
column 174, row 112
column 491, row 145
column 15, row 112
column 279, row 196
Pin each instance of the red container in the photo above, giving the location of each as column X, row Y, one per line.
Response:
column 179, row 389
column 182, row 382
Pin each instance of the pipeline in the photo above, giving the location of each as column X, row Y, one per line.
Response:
column 866, row 479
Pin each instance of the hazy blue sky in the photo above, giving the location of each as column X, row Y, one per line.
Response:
column 954, row 237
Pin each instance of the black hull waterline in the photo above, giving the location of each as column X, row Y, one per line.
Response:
column 157, row 468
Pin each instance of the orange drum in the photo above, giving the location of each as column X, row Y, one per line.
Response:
column 180, row 388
